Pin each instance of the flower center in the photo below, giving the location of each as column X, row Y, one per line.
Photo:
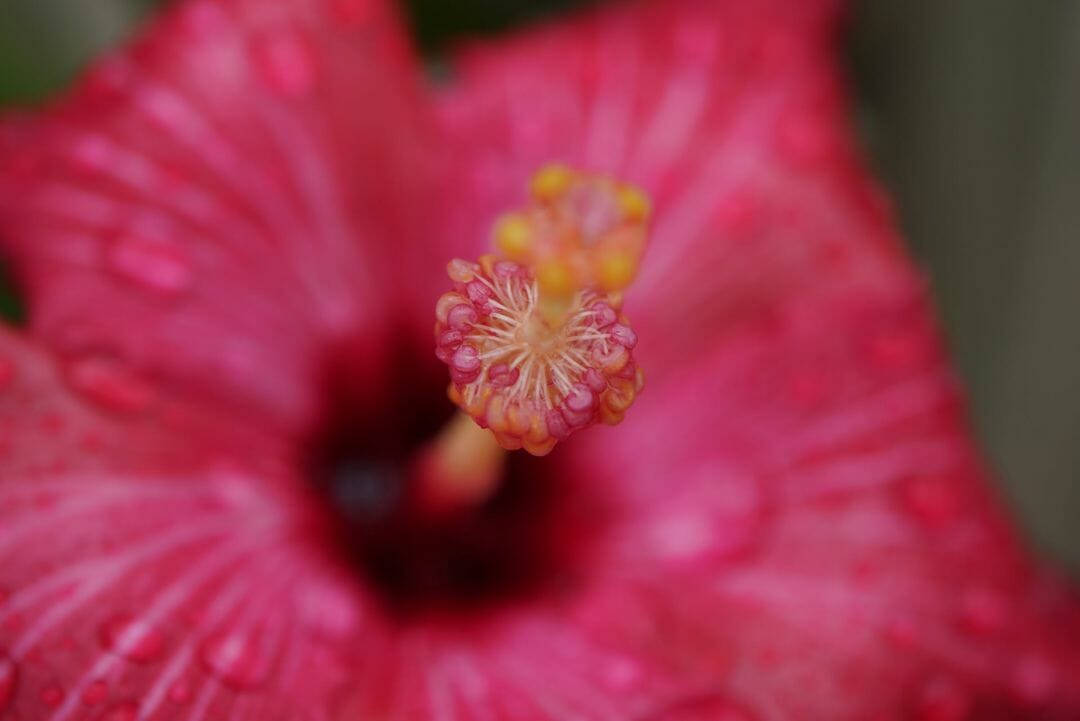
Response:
column 427, row 502
column 409, row 505
column 533, row 335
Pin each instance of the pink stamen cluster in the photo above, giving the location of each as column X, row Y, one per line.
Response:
column 531, row 381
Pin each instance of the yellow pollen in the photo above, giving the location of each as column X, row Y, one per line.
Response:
column 582, row 231
column 615, row 270
column 556, row 279
column 634, row 203
column 551, row 182
column 513, row 236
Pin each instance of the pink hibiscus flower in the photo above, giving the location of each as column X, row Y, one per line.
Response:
column 233, row 235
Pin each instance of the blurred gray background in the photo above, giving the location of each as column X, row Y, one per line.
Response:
column 971, row 112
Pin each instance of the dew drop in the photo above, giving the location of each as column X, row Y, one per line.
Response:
column 7, row 374
column 286, row 61
column 237, row 658
column 623, row 673
column 722, row 522
column 1033, row 680
column 805, row 138
column 110, row 384
column 127, row 711
column 897, row 349
column 95, row 693
column 9, row 679
column 180, row 693
column 902, row 633
column 931, row 500
column 92, row 154
column 327, row 610
column 132, row 638
column 983, row 611
column 52, row 695
column 108, row 80
column 154, row 264
column 738, row 214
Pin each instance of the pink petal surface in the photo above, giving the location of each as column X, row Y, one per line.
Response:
column 210, row 202
column 792, row 524
column 145, row 571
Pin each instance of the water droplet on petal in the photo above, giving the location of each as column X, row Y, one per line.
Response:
column 983, row 611
column 724, row 521
column 931, row 500
column 158, row 265
column 806, row 137
column 737, row 215
column 898, row 349
column 902, row 632
column 180, row 692
column 132, row 638
column 95, row 693
column 7, row 374
column 52, row 695
column 110, row 384
column 9, row 679
column 108, row 80
column 1033, row 680
column 623, row 673
column 327, row 610
column 91, row 154
column 238, row 658
column 287, row 62
column 127, row 711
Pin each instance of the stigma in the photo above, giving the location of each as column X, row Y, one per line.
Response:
column 533, row 334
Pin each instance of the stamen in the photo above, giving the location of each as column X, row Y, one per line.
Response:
column 534, row 338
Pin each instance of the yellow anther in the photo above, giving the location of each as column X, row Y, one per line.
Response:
column 615, row 270
column 555, row 279
column 513, row 236
column 551, row 182
column 634, row 203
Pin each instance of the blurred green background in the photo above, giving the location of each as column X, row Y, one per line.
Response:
column 971, row 112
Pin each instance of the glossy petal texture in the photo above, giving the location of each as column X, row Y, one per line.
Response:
column 798, row 469
column 204, row 203
column 151, row 563
column 791, row 524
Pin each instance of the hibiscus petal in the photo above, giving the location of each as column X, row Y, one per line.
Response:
column 212, row 203
column 146, row 572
